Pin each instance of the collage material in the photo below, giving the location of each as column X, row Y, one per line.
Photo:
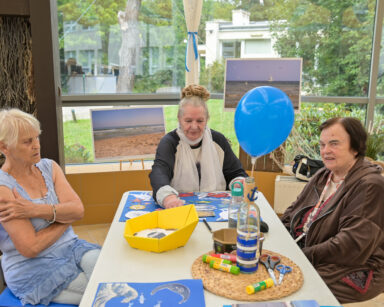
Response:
column 213, row 206
column 183, row 293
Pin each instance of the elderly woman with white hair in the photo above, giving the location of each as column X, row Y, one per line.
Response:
column 43, row 259
column 193, row 158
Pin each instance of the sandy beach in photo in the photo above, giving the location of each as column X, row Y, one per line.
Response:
column 138, row 145
column 236, row 89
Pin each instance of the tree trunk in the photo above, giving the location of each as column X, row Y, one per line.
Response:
column 128, row 21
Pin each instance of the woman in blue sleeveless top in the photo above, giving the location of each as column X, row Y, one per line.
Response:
column 43, row 259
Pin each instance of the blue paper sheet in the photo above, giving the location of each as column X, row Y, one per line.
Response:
column 141, row 202
column 185, row 292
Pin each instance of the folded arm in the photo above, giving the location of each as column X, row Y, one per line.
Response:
column 69, row 209
column 27, row 241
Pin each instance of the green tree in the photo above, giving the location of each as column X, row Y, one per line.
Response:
column 304, row 137
column 213, row 77
column 90, row 13
column 334, row 38
column 165, row 13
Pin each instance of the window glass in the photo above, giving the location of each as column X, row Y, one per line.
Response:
column 107, row 47
column 78, row 140
column 304, row 137
column 141, row 48
column 255, row 47
column 110, row 46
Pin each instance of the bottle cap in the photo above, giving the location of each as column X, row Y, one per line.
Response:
column 234, row 269
column 269, row 282
column 250, row 289
column 237, row 191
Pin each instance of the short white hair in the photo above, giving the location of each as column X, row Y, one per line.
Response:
column 12, row 121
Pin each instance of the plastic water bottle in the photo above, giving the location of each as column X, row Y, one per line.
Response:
column 235, row 203
column 248, row 234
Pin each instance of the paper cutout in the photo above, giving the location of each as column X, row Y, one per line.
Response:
column 137, row 207
column 204, row 202
column 183, row 293
column 155, row 233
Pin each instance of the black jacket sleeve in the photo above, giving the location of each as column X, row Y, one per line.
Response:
column 162, row 168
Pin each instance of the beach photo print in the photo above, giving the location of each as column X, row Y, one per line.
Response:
column 127, row 133
column 242, row 75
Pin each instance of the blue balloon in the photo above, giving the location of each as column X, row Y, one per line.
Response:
column 263, row 120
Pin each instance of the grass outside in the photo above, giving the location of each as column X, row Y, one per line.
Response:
column 80, row 132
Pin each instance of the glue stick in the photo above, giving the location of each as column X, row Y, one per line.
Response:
column 209, row 258
column 224, row 267
column 261, row 285
column 230, row 257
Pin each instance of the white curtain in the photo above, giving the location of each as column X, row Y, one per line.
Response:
column 192, row 12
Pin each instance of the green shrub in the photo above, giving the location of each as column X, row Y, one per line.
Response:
column 76, row 153
column 304, row 138
column 375, row 146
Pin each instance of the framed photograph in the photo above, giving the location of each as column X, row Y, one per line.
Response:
column 127, row 133
column 242, row 75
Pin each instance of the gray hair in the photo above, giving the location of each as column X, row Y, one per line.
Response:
column 194, row 101
column 12, row 121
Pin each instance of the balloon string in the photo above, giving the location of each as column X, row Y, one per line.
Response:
column 253, row 161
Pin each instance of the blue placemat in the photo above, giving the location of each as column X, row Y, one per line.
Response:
column 185, row 292
column 141, row 202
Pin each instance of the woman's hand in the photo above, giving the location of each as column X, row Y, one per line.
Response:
column 172, row 201
column 19, row 208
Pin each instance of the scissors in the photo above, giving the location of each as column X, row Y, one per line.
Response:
column 283, row 269
column 270, row 263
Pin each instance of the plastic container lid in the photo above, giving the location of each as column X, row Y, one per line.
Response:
column 237, row 191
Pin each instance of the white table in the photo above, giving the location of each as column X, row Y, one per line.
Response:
column 118, row 262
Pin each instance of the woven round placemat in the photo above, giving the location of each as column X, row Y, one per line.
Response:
column 233, row 286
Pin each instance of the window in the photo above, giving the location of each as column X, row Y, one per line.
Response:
column 104, row 51
column 257, row 47
column 231, row 49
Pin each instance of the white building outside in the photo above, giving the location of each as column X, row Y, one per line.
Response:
column 239, row 38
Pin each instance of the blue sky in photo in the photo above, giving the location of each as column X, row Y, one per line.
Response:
column 127, row 117
column 263, row 70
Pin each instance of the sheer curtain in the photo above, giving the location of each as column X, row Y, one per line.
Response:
column 192, row 12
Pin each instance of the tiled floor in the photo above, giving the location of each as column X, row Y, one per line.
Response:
column 97, row 233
